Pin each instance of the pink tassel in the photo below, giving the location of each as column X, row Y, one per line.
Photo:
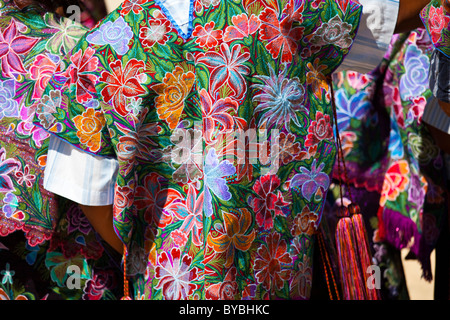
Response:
column 353, row 286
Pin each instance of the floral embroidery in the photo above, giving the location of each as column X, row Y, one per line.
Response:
column 89, row 126
column 117, row 34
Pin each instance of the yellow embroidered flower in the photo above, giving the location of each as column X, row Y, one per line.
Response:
column 90, row 125
column 315, row 78
column 172, row 93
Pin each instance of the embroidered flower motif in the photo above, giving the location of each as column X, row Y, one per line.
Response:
column 281, row 35
column 175, row 276
column 186, row 152
column 10, row 205
column 335, row 32
column 281, row 98
column 302, row 280
column 267, row 202
column 158, row 201
column 191, row 214
column 216, row 116
column 7, row 166
column 395, row 182
column 227, row 68
column 438, row 21
column 354, row 108
column 25, row 177
column 122, row 83
column 224, row 290
column 215, row 173
column 47, row 106
column 81, row 74
column 12, row 45
column 319, row 129
column 8, row 105
column 89, row 126
column 207, row 36
column 310, row 181
column 172, row 93
column 234, row 236
column 271, row 264
column 287, row 147
column 242, row 27
column 415, row 80
column 423, row 148
column 41, row 71
column 156, row 32
column 132, row 5
column 316, row 79
column 117, row 34
column 304, row 223
column 101, row 280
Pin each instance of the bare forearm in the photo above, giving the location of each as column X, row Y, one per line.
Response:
column 408, row 15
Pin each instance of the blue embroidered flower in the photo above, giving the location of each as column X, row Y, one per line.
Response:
column 356, row 107
column 415, row 81
column 7, row 275
column 10, row 204
column 117, row 34
column 310, row 181
column 395, row 142
column 8, row 105
column 214, row 179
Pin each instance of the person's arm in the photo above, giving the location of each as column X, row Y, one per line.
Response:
column 408, row 15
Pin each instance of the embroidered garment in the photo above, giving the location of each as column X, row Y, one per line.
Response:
column 392, row 161
column 56, row 234
column 223, row 136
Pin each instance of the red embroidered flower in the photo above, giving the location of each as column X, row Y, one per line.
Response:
column 83, row 64
column 132, row 5
column 12, row 44
column 122, row 83
column 396, row 180
column 273, row 263
column 319, row 129
column 207, row 36
column 267, row 201
column 242, row 27
column 282, row 37
column 156, row 32
column 437, row 22
column 41, row 71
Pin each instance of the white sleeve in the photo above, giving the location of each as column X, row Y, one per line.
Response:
column 375, row 32
column 79, row 176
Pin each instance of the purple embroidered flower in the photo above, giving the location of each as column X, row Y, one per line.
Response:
column 8, row 105
column 77, row 221
column 416, row 193
column 415, row 81
column 215, row 181
column 117, row 34
column 10, row 204
column 6, row 167
column 310, row 181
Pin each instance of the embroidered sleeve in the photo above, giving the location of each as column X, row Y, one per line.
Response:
column 436, row 18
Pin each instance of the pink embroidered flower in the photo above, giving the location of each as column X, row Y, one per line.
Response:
column 94, row 288
column 81, row 74
column 267, row 202
column 227, row 68
column 437, row 22
column 225, row 290
column 207, row 36
column 242, row 27
column 175, row 276
column 12, row 45
column 319, row 129
column 273, row 262
column 41, row 71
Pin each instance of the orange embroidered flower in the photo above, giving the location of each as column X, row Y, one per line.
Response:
column 90, row 125
column 304, row 222
column 172, row 93
column 395, row 182
column 235, row 237
column 315, row 77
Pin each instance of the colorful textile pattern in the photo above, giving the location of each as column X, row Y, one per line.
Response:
column 390, row 156
column 41, row 235
column 436, row 18
column 223, row 137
